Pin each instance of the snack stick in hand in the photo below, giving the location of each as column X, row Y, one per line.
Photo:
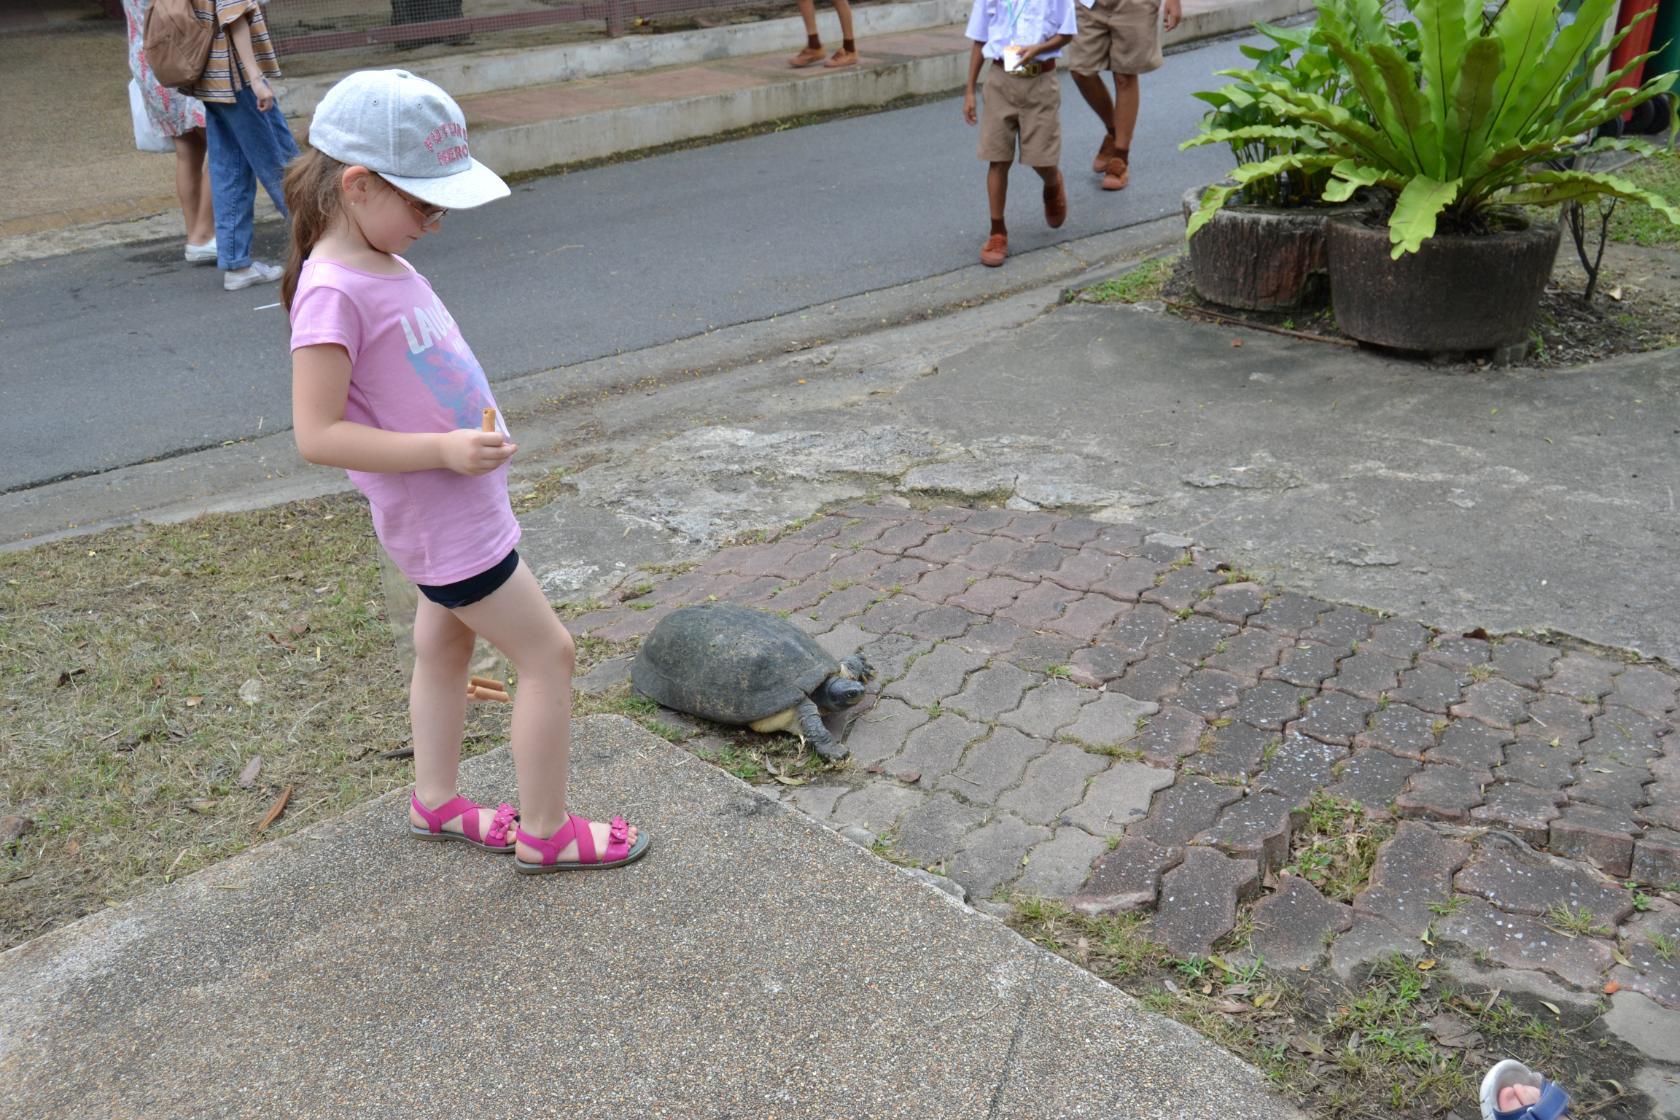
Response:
column 489, row 422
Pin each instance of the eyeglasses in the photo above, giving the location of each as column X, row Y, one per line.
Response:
column 429, row 215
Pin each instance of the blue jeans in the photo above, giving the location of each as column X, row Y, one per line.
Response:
column 245, row 145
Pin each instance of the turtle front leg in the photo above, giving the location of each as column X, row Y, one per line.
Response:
column 816, row 733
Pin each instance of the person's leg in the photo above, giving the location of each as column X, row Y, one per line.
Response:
column 1125, row 110
column 437, row 709
column 1040, row 117
column 843, row 9
column 1119, row 171
column 1055, row 196
column 233, row 188
column 1096, row 95
column 847, row 54
column 192, row 188
column 996, row 249
column 518, row 620
column 813, row 52
column 270, row 149
column 997, row 192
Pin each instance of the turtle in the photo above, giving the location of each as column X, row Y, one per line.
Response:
column 736, row 665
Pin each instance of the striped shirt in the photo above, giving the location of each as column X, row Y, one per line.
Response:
column 223, row 73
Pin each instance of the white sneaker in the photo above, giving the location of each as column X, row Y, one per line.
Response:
column 201, row 254
column 257, row 273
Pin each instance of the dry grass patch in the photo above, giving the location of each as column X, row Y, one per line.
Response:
column 145, row 668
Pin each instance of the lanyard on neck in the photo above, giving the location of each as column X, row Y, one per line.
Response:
column 1012, row 11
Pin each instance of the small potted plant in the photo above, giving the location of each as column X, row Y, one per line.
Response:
column 1257, row 240
column 1456, row 138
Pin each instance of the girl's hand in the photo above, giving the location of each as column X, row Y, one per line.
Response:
column 264, row 93
column 472, row 452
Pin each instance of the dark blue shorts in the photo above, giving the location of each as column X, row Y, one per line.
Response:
column 466, row 592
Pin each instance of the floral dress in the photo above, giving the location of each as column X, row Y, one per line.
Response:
column 174, row 113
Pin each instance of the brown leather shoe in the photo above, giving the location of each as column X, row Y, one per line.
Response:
column 810, row 56
column 1055, row 204
column 842, row 57
column 996, row 249
column 1104, row 154
column 1117, row 175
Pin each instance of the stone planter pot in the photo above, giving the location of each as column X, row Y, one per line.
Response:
column 1260, row 258
column 1457, row 292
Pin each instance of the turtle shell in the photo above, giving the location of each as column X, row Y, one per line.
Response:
column 729, row 663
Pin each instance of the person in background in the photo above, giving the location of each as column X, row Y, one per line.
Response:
column 813, row 53
column 1017, row 43
column 181, row 118
column 1124, row 38
column 249, row 138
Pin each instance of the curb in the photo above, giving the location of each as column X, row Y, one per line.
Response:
column 267, row 471
column 472, row 74
column 514, row 149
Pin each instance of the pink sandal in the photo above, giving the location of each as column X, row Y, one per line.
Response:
column 495, row 840
column 618, row 853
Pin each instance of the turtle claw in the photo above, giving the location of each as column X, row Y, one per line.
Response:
column 814, row 733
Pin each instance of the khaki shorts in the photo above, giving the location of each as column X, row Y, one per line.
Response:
column 1030, row 108
column 1122, row 36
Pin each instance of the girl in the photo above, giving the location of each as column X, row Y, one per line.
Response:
column 384, row 386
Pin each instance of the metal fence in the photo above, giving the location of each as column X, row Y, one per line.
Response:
column 298, row 26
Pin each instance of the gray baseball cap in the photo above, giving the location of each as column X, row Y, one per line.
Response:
column 409, row 132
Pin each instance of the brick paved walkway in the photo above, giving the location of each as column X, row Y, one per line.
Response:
column 1078, row 710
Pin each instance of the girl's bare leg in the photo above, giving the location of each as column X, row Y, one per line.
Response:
column 518, row 620
column 437, row 708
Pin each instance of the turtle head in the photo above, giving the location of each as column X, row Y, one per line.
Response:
column 837, row 693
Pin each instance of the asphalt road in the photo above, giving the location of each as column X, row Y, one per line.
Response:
column 122, row 355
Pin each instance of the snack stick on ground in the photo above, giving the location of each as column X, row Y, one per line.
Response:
column 479, row 693
column 486, row 682
column 489, row 422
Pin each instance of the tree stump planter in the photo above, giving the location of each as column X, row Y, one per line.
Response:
column 1262, row 258
column 1458, row 292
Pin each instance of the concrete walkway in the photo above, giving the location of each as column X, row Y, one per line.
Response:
column 753, row 964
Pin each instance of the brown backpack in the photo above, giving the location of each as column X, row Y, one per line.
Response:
column 177, row 43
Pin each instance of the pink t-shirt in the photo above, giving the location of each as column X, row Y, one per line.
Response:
column 411, row 371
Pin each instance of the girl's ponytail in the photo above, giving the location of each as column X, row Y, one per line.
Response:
column 311, row 189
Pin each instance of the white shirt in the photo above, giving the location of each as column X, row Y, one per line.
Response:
column 1002, row 23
